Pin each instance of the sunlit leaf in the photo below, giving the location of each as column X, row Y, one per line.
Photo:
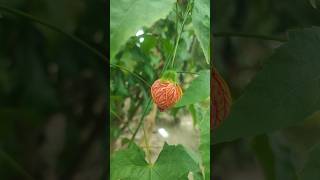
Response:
column 174, row 162
column 128, row 16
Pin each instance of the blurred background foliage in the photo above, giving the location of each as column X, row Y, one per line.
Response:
column 53, row 91
column 281, row 154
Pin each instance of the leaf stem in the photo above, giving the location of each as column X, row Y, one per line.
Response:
column 54, row 28
column 245, row 35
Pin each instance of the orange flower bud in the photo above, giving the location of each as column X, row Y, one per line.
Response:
column 166, row 92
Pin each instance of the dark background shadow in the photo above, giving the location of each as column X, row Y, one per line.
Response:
column 53, row 91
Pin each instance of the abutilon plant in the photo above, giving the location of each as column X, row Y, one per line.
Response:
column 165, row 91
column 220, row 99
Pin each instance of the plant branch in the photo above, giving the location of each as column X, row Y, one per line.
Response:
column 245, row 35
column 54, row 28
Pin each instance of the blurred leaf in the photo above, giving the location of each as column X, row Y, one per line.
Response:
column 129, row 61
column 310, row 171
column 313, row 3
column 173, row 163
column 205, row 143
column 285, row 157
column 201, row 23
column 264, row 153
column 198, row 91
column 148, row 43
column 220, row 98
column 284, row 93
column 128, row 16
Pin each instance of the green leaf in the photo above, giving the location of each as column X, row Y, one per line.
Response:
column 311, row 168
column 198, row 91
column 128, row 16
column 174, row 162
column 205, row 143
column 201, row 24
column 284, row 93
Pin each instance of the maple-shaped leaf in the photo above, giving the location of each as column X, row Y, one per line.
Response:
column 174, row 163
column 220, row 99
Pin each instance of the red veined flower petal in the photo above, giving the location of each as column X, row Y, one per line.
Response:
column 165, row 93
column 220, row 99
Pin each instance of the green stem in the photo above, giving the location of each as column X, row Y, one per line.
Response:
column 14, row 164
column 179, row 34
column 141, row 120
column 54, row 28
column 115, row 114
column 146, row 141
column 244, row 35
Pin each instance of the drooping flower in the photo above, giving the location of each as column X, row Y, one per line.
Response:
column 165, row 91
column 220, row 99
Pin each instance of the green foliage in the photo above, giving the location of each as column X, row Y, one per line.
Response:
column 201, row 24
column 174, row 162
column 198, row 91
column 128, row 16
column 284, row 93
column 263, row 151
